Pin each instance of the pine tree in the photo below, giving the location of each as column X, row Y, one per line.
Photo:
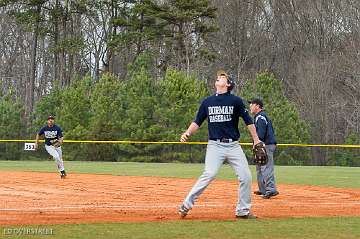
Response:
column 180, row 97
column 175, row 26
column 108, row 114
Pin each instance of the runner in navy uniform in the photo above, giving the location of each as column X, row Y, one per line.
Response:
column 53, row 140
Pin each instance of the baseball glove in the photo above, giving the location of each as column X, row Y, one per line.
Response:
column 55, row 142
column 260, row 155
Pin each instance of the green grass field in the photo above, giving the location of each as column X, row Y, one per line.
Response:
column 314, row 228
column 336, row 227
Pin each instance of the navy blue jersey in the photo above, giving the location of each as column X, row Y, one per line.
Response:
column 264, row 128
column 50, row 133
column 223, row 112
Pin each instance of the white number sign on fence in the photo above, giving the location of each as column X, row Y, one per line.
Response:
column 29, row 147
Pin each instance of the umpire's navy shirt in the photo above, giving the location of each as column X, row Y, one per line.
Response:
column 264, row 128
column 50, row 133
column 223, row 112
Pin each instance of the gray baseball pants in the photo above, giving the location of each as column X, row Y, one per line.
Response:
column 56, row 153
column 216, row 154
column 265, row 173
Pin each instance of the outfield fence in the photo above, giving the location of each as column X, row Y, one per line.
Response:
column 175, row 151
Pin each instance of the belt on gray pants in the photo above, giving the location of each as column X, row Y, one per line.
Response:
column 223, row 140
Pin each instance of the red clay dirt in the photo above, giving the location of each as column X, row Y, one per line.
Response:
column 43, row 198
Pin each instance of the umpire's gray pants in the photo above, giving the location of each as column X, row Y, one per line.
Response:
column 56, row 153
column 265, row 173
column 216, row 154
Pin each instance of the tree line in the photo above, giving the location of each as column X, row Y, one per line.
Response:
column 140, row 107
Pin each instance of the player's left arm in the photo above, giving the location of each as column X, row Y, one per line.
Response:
column 60, row 136
column 252, row 130
column 61, row 140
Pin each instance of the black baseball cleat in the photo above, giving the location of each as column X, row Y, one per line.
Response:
column 248, row 216
column 63, row 174
column 183, row 211
column 258, row 193
column 269, row 195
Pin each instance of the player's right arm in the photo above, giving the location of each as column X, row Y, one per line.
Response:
column 37, row 141
column 190, row 131
column 195, row 125
column 41, row 132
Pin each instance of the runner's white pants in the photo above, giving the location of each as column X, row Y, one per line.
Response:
column 56, row 153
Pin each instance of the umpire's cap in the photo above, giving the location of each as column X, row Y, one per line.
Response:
column 257, row 101
column 229, row 79
column 51, row 117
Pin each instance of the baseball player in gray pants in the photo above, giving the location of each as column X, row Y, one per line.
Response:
column 53, row 139
column 223, row 111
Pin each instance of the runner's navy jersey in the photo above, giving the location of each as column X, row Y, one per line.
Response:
column 50, row 133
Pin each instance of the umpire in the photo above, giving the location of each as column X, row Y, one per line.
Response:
column 266, row 133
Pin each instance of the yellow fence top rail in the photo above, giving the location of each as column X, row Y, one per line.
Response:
column 177, row 142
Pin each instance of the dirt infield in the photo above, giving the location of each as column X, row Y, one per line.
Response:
column 41, row 198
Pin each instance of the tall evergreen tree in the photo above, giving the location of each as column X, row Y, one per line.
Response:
column 176, row 27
